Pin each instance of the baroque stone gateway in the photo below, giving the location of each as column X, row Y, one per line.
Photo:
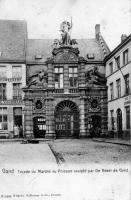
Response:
column 66, row 93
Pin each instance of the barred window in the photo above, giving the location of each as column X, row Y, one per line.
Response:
column 17, row 92
column 3, row 118
column 2, row 91
column 73, row 76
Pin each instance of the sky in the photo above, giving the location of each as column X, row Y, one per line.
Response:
column 45, row 16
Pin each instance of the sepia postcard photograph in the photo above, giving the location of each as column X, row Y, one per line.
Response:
column 65, row 100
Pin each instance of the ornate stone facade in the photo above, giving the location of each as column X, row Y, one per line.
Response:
column 66, row 94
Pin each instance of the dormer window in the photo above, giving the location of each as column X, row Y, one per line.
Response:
column 90, row 56
column 38, row 56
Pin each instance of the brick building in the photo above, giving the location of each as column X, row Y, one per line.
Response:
column 118, row 73
column 13, row 37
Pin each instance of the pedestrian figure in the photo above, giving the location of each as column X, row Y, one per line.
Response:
column 16, row 131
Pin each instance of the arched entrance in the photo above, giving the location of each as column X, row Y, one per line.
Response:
column 39, row 127
column 66, row 119
column 119, row 122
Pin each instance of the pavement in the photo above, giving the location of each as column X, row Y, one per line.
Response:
column 113, row 141
column 49, row 152
column 87, row 151
column 109, row 140
column 18, row 153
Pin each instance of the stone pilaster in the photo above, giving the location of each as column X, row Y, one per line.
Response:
column 82, row 118
column 10, row 118
column 50, row 126
column 104, row 113
column 28, row 120
column 81, row 74
column 51, row 82
column 66, row 78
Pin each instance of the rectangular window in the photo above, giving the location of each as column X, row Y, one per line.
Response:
column 73, row 76
column 125, row 57
column 112, row 119
column 3, row 119
column 127, row 84
column 117, row 62
column 111, row 67
column 2, row 91
column 118, row 87
column 16, row 71
column 2, row 71
column 112, row 91
column 128, row 117
column 58, row 77
column 17, row 91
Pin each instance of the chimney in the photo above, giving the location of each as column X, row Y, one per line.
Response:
column 123, row 37
column 97, row 31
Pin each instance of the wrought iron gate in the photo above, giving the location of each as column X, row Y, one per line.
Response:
column 67, row 120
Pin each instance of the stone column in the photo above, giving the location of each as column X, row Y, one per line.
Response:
column 82, row 118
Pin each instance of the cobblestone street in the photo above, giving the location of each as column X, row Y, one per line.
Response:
column 75, row 151
column 65, row 151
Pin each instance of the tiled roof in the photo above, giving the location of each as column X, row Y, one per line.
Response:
column 14, row 44
column 90, row 46
column 13, row 35
column 43, row 47
column 38, row 47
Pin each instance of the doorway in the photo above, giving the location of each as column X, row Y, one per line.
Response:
column 95, row 126
column 17, row 113
column 39, row 127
